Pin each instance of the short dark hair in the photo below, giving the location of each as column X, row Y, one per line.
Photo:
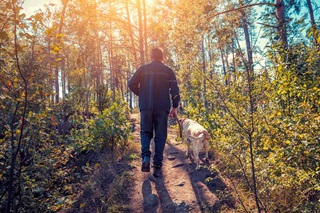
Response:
column 156, row 54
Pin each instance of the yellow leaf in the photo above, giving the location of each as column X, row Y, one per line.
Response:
column 18, row 132
column 9, row 83
column 82, row 205
column 97, row 165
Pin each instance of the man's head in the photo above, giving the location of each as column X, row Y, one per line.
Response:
column 156, row 54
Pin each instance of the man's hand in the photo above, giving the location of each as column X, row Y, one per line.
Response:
column 173, row 113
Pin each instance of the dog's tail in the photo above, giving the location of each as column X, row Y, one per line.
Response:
column 199, row 138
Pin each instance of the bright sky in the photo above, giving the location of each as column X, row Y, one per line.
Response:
column 30, row 6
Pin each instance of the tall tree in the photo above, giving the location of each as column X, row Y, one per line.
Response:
column 282, row 25
column 245, row 26
column 314, row 28
column 59, row 44
column 141, row 43
column 145, row 29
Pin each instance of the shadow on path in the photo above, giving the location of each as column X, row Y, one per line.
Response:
column 167, row 205
column 181, row 188
column 150, row 200
column 210, row 190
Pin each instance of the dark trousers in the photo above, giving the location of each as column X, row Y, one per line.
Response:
column 153, row 120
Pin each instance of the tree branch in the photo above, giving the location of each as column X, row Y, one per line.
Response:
column 243, row 7
column 267, row 25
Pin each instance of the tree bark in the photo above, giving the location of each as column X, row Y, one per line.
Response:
column 204, row 73
column 282, row 28
column 140, row 32
column 85, row 81
column 133, row 50
column 63, row 78
column 249, row 63
column 111, row 61
column 223, row 64
column 234, row 61
column 131, row 36
column 313, row 23
column 51, row 72
column 145, row 30
column 57, row 89
column 56, row 83
column 15, row 149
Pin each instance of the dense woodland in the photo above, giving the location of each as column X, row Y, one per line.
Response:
column 248, row 71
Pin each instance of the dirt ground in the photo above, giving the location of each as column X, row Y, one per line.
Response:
column 181, row 188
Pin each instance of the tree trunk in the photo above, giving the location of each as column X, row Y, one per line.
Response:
column 223, row 65
column 15, row 148
column 86, row 104
column 226, row 59
column 140, row 32
column 57, row 89
column 280, row 13
column 233, row 61
column 51, row 72
column 313, row 23
column 135, row 57
column 131, row 36
column 204, row 73
column 98, row 76
column 68, row 82
column 56, row 82
column 249, row 63
column 111, row 65
column 145, row 30
column 63, row 78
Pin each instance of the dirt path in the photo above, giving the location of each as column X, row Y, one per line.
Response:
column 180, row 188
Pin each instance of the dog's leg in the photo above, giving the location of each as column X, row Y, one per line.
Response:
column 206, row 147
column 197, row 159
column 188, row 147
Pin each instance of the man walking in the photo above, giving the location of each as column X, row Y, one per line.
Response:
column 155, row 84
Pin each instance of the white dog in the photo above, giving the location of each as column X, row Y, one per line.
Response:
column 198, row 136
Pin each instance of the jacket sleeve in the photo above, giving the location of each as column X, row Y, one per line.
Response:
column 134, row 82
column 174, row 90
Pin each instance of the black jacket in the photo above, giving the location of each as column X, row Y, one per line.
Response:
column 155, row 83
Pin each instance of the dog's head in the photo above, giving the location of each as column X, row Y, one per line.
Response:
column 180, row 121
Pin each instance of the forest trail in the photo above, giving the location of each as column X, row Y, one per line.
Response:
column 180, row 188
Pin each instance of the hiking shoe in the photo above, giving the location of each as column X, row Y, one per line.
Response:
column 145, row 164
column 156, row 170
